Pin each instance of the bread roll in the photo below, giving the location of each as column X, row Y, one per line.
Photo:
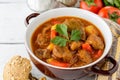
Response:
column 17, row 68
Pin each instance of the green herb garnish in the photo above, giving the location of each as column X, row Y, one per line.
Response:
column 75, row 35
column 59, row 41
column 62, row 30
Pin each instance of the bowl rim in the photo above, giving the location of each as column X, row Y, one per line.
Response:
column 71, row 68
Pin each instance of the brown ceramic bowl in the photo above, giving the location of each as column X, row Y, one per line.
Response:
column 75, row 72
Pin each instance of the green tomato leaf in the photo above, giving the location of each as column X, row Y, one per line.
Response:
column 59, row 41
column 111, row 2
column 117, row 3
column 75, row 35
column 108, row 2
column 114, row 16
column 90, row 2
column 62, row 29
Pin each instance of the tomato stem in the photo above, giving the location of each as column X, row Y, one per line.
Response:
column 90, row 2
column 113, row 16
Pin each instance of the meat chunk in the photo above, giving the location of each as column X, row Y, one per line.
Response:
column 43, row 40
column 75, row 24
column 75, row 45
column 46, row 29
column 84, row 56
column 95, row 41
column 62, row 53
column 74, row 60
column 43, row 53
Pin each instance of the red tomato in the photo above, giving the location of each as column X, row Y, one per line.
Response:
column 91, row 5
column 110, row 13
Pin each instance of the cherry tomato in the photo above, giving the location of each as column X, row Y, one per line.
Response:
column 111, row 13
column 91, row 5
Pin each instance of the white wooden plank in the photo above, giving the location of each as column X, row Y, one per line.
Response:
column 12, row 16
column 1, row 1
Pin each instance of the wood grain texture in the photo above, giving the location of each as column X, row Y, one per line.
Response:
column 116, row 75
column 115, row 51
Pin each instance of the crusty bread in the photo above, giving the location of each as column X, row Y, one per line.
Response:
column 17, row 68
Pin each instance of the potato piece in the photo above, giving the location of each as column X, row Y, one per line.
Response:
column 91, row 30
column 17, row 68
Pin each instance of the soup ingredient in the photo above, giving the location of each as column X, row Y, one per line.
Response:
column 91, row 5
column 84, row 56
column 54, row 21
column 43, row 40
column 87, row 47
column 91, row 30
column 74, row 45
column 111, row 13
column 75, row 24
column 53, row 34
column 43, row 53
column 95, row 41
column 17, row 68
column 75, row 35
column 98, row 54
column 59, row 41
column 53, row 31
column 62, row 53
column 57, row 63
column 50, row 46
column 63, row 38
column 114, row 3
column 62, row 29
